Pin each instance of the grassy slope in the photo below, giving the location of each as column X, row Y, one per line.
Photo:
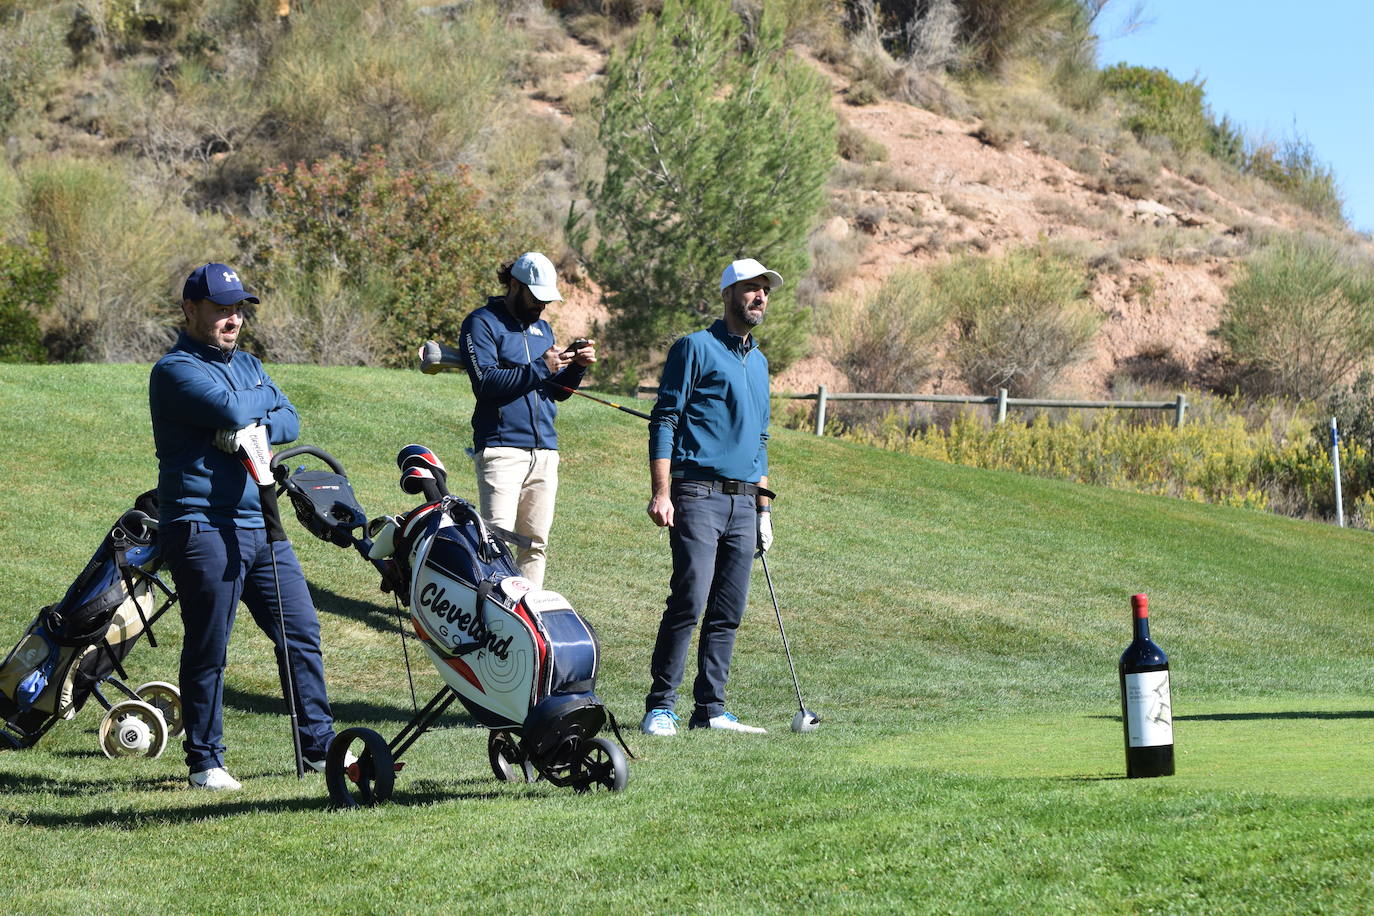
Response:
column 957, row 630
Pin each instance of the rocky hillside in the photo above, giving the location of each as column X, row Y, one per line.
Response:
column 1162, row 247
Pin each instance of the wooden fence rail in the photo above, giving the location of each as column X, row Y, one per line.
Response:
column 1000, row 401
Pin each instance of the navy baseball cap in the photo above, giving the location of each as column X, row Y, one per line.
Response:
column 219, row 283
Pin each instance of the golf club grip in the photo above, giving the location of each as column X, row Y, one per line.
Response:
column 271, row 512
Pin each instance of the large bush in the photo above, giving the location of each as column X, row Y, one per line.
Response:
column 1021, row 319
column 120, row 248
column 713, row 153
column 1300, row 319
column 355, row 74
column 890, row 342
column 1157, row 104
column 417, row 250
column 28, row 287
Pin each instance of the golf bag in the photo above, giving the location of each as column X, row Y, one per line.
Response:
column 519, row 659
column 74, row 646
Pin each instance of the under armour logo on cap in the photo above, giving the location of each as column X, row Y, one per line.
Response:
column 218, row 283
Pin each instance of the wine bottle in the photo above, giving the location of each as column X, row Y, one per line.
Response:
column 1146, row 710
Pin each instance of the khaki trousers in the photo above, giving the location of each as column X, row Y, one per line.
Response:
column 516, row 488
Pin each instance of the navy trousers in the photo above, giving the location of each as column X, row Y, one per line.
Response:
column 713, row 538
column 214, row 567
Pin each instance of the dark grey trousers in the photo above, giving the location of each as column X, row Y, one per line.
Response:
column 713, row 538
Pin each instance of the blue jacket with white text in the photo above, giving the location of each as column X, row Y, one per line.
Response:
column 504, row 360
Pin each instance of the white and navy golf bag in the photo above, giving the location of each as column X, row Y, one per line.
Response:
column 519, row 658
column 77, row 644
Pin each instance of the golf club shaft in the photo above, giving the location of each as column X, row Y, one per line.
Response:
column 271, row 516
column 592, row 397
column 801, row 704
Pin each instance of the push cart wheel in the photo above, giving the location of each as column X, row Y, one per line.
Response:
column 133, row 728
column 367, row 781
column 508, row 761
column 166, row 699
column 601, row 766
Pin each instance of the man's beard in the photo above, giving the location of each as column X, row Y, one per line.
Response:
column 743, row 314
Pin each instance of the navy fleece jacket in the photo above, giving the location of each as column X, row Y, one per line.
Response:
column 194, row 391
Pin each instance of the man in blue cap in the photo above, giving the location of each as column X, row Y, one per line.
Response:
column 708, row 471
column 201, row 394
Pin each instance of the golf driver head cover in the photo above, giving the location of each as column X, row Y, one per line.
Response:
column 255, row 452
column 419, row 456
column 435, row 357
column 421, row 480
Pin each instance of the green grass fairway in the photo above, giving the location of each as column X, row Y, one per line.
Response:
column 957, row 630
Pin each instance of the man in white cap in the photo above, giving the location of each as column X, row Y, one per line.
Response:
column 518, row 373
column 708, row 468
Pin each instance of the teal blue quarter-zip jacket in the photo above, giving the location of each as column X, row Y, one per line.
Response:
column 711, row 417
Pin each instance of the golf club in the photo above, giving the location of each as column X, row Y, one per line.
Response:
column 256, row 454
column 435, row 357
column 805, row 720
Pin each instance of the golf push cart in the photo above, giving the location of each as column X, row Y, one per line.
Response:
column 519, row 659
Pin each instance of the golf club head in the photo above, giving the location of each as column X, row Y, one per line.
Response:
column 435, row 357
column 805, row 721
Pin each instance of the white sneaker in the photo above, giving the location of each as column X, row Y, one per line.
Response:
column 215, row 779
column 318, row 765
column 726, row 722
column 661, row 722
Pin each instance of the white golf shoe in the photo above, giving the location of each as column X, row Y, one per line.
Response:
column 216, row 779
column 726, row 722
column 661, row 722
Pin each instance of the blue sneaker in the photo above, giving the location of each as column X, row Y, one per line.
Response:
column 662, row 722
column 726, row 722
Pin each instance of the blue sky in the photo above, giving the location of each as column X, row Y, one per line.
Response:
column 1277, row 69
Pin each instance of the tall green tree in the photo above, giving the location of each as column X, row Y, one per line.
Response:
column 718, row 144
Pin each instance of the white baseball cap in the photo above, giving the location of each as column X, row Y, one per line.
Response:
column 536, row 271
column 748, row 269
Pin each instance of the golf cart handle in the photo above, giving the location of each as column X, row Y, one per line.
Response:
column 280, row 458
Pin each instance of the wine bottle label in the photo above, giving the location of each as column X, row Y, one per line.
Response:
column 1149, row 712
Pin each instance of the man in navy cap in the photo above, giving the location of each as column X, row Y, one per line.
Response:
column 212, row 533
column 708, row 474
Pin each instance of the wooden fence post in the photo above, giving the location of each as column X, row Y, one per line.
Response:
column 1180, row 406
column 1001, row 404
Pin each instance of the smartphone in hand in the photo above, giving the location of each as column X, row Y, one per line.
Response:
column 576, row 345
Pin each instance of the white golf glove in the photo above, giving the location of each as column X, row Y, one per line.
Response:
column 765, row 529
column 227, row 440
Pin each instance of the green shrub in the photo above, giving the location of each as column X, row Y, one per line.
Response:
column 1216, row 457
column 120, row 250
column 1293, row 167
column 30, row 53
column 1301, row 317
column 28, row 288
column 416, row 248
column 890, row 342
column 350, row 77
column 1020, row 319
column 712, row 153
column 1158, row 104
